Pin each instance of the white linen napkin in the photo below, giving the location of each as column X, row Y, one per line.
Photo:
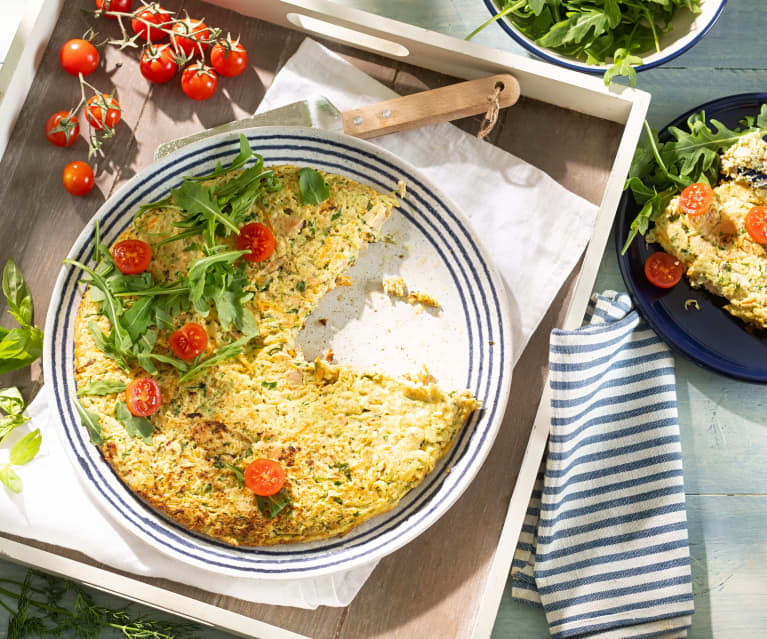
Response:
column 508, row 202
column 604, row 548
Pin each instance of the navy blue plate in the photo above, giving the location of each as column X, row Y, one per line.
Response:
column 710, row 337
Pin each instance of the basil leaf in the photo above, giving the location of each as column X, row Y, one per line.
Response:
column 17, row 294
column 11, row 401
column 8, row 424
column 134, row 426
column 11, row 480
column 272, row 506
column 239, row 475
column 20, row 347
column 25, row 450
column 102, row 387
column 91, row 421
column 312, row 186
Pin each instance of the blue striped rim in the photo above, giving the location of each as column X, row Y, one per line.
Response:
column 463, row 250
column 541, row 52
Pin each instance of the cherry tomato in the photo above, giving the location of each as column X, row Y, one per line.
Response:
column 62, row 128
column 189, row 46
column 188, row 341
column 103, row 111
column 154, row 14
column 229, row 58
column 663, row 270
column 143, row 397
column 696, row 199
column 78, row 178
column 258, row 239
column 756, row 224
column 78, row 56
column 199, row 81
column 132, row 256
column 158, row 66
column 123, row 6
column 264, row 477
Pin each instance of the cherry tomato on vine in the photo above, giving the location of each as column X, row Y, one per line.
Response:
column 258, row 239
column 77, row 178
column 143, row 397
column 62, row 128
column 156, row 15
column 132, row 256
column 229, row 58
column 264, row 477
column 190, row 27
column 663, row 270
column 158, row 65
column 199, row 81
column 696, row 199
column 78, row 56
column 123, row 6
column 756, row 224
column 188, row 341
column 103, row 111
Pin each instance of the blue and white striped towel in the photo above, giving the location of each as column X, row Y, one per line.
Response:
column 604, row 546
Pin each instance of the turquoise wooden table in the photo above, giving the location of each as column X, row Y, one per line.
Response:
column 724, row 422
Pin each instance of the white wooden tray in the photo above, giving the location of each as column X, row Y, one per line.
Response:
column 568, row 109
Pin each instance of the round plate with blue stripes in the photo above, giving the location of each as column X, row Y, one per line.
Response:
column 466, row 345
column 710, row 337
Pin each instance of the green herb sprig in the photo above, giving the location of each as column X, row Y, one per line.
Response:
column 595, row 32
column 21, row 346
column 26, row 448
column 660, row 170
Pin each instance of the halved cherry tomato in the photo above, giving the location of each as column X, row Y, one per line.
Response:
column 158, row 65
column 62, row 128
column 229, row 58
column 264, row 477
column 77, row 178
column 132, row 256
column 199, row 81
column 188, row 341
column 123, row 6
column 154, row 14
column 78, row 56
column 663, row 270
column 756, row 224
column 258, row 239
column 696, row 199
column 186, row 27
column 103, row 111
column 143, row 397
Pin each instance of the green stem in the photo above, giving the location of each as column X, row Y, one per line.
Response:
column 37, row 604
column 659, row 160
column 497, row 16
column 652, row 28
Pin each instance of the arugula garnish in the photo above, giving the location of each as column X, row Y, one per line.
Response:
column 239, row 474
column 660, row 170
column 595, row 32
column 91, row 421
column 134, row 426
column 313, row 188
column 273, row 505
column 102, row 387
column 225, row 352
column 20, row 346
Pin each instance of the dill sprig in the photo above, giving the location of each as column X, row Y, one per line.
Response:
column 46, row 606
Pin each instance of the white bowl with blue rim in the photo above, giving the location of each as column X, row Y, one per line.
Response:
column 466, row 345
column 688, row 29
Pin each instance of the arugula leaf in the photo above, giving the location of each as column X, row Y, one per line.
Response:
column 134, row 426
column 106, row 344
column 225, row 352
column 196, row 199
column 25, row 450
column 91, row 421
column 102, row 387
column 242, row 157
column 17, row 294
column 623, row 64
column 272, row 506
column 239, row 475
column 312, row 186
column 137, row 318
column 11, row 480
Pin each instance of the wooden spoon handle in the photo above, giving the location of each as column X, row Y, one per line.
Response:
column 430, row 107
